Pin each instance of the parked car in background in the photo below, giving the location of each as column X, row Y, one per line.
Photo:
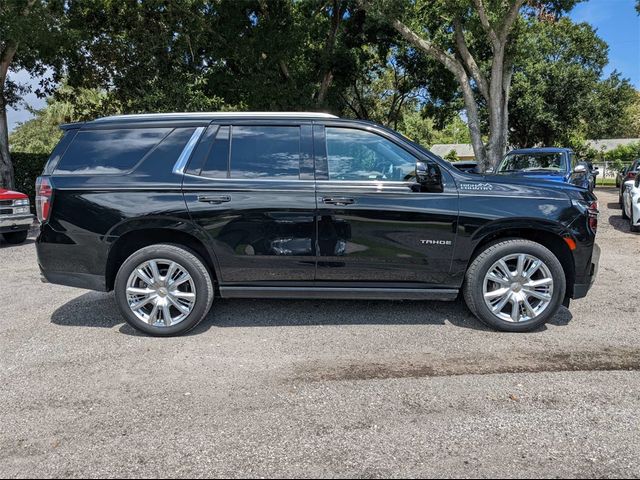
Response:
column 631, row 203
column 630, row 173
column 169, row 210
column 15, row 216
column 620, row 175
column 466, row 166
column 549, row 163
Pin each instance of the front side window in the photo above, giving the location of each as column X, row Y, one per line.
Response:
column 109, row 151
column 261, row 152
column 533, row 162
column 360, row 155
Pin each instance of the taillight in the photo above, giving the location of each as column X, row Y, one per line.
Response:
column 590, row 209
column 631, row 175
column 592, row 212
column 43, row 198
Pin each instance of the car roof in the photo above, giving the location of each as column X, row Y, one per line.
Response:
column 541, row 150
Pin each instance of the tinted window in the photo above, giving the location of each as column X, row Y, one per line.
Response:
column 532, row 162
column 217, row 164
column 57, row 153
column 109, row 151
column 360, row 155
column 265, row 152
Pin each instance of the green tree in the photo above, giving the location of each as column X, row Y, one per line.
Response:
column 557, row 92
column 475, row 40
column 42, row 133
column 452, row 156
column 199, row 55
column 30, row 40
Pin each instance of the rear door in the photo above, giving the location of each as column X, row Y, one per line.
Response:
column 375, row 223
column 250, row 186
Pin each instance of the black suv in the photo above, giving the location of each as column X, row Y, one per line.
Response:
column 171, row 210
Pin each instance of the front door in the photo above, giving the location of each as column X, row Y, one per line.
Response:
column 250, row 187
column 375, row 222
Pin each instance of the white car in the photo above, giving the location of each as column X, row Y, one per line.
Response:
column 631, row 203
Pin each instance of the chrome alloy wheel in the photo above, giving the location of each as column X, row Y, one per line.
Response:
column 518, row 287
column 161, row 292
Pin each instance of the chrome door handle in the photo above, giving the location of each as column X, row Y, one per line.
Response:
column 214, row 198
column 338, row 201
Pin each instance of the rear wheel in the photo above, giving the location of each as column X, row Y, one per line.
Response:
column 515, row 285
column 16, row 237
column 164, row 290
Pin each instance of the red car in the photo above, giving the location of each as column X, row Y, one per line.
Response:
column 15, row 216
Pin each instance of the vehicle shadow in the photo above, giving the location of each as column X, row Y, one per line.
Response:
column 96, row 309
column 5, row 244
column 620, row 224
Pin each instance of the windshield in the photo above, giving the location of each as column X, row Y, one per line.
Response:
column 533, row 162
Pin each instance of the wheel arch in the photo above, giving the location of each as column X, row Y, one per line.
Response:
column 133, row 240
column 551, row 239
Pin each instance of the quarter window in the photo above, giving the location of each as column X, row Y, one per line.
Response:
column 359, row 155
column 265, row 152
column 217, row 164
column 109, row 151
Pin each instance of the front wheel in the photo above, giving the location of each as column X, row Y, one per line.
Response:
column 515, row 285
column 164, row 290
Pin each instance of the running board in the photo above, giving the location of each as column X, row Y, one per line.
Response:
column 342, row 293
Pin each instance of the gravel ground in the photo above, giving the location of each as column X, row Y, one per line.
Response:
column 321, row 388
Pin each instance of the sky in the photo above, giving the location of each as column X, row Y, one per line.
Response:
column 616, row 21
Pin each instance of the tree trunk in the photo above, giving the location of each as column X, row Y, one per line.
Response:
column 6, row 166
column 327, row 75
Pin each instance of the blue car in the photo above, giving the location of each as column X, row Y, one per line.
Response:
column 554, row 164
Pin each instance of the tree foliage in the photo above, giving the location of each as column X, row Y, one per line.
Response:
column 31, row 39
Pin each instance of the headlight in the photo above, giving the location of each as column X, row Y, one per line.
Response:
column 23, row 201
column 21, row 210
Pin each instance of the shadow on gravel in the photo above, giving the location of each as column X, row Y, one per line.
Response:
column 620, row 224
column 608, row 359
column 4, row 244
column 97, row 309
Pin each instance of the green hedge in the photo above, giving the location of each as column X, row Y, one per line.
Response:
column 28, row 166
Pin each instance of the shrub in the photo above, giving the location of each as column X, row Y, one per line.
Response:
column 28, row 166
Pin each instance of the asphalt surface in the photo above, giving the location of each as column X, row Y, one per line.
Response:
column 321, row 388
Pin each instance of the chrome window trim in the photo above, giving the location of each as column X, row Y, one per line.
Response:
column 187, row 151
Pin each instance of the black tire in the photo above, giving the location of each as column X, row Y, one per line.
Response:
column 196, row 268
column 624, row 212
column 633, row 227
column 474, row 281
column 16, row 237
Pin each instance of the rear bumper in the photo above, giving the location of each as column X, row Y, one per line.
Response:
column 77, row 261
column 15, row 223
column 583, row 284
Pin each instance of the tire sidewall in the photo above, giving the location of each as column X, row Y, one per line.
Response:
column 501, row 250
column 194, row 266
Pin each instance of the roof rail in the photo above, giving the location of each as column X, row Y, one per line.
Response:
column 153, row 116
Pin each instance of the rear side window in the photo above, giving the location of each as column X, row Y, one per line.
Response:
column 265, row 152
column 109, row 151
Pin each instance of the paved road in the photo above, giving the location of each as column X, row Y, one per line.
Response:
column 321, row 388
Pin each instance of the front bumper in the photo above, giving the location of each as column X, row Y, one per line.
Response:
column 15, row 223
column 581, row 289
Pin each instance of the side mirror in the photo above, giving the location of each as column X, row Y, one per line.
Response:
column 580, row 168
column 429, row 177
